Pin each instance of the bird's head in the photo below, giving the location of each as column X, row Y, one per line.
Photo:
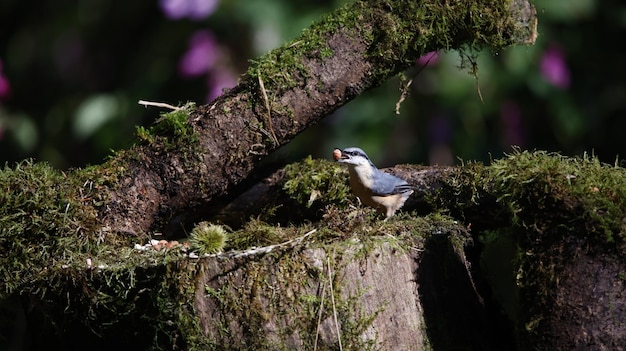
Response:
column 352, row 156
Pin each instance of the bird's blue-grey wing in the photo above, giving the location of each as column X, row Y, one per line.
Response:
column 387, row 184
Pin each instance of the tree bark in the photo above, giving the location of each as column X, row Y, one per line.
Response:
column 351, row 50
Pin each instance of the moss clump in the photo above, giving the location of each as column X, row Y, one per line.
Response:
column 147, row 292
column 44, row 217
column 400, row 32
column 282, row 68
column 54, row 254
column 460, row 189
column 257, row 233
column 172, row 129
column 544, row 190
column 207, row 238
column 317, row 180
column 541, row 193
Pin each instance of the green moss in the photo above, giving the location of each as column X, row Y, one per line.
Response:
column 290, row 286
column 461, row 189
column 281, row 288
column 311, row 180
column 53, row 251
column 543, row 190
column 172, row 129
column 54, row 254
column 104, row 292
column 548, row 196
column 402, row 31
column 534, row 213
column 44, row 216
column 409, row 29
column 257, row 233
column 175, row 322
column 283, row 68
column 207, row 238
column 543, row 193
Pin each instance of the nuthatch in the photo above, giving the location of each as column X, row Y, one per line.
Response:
column 383, row 191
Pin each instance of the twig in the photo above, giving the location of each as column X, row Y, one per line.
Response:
column 475, row 73
column 403, row 94
column 158, row 104
column 480, row 95
column 405, row 89
column 332, row 300
column 266, row 249
column 269, row 113
column 319, row 317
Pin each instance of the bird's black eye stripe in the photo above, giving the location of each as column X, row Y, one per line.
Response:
column 354, row 153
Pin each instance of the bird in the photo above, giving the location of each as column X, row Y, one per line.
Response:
column 375, row 188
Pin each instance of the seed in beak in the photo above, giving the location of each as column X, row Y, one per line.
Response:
column 336, row 154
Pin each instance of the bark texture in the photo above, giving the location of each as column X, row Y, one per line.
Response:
column 589, row 310
column 369, row 303
column 386, row 298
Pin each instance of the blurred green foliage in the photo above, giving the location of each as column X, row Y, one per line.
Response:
column 71, row 73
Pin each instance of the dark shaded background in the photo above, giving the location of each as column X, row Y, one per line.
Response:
column 71, row 73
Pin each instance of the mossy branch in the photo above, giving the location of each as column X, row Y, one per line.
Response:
column 195, row 156
column 352, row 49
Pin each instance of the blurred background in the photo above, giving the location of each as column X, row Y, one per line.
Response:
column 72, row 71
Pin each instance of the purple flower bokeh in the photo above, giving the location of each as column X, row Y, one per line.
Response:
column 554, row 67
column 192, row 9
column 429, row 59
column 201, row 56
column 205, row 57
column 5, row 87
